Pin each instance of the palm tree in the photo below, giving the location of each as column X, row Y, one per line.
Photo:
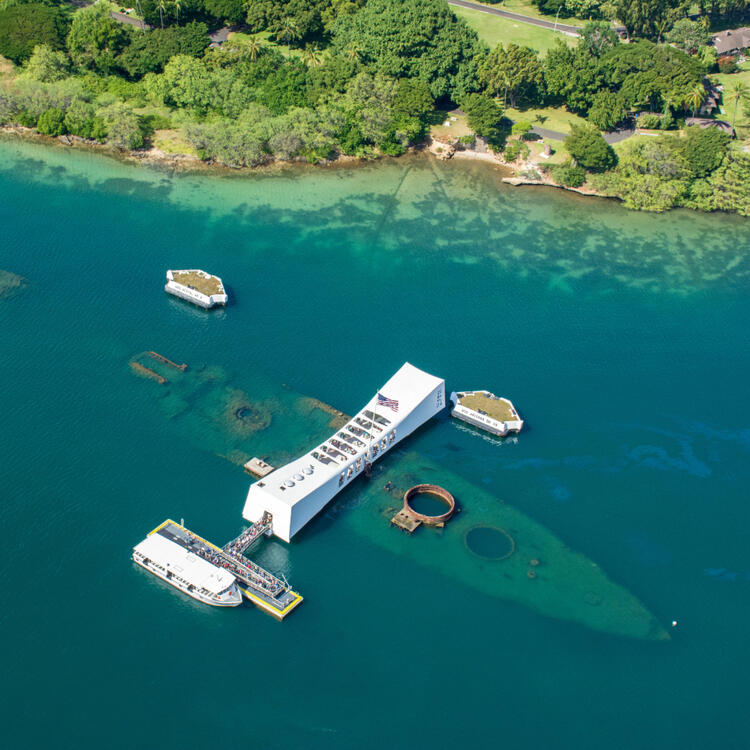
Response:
column 696, row 97
column 253, row 48
column 312, row 56
column 162, row 6
column 352, row 52
column 177, row 6
column 289, row 30
column 739, row 93
column 661, row 27
column 671, row 102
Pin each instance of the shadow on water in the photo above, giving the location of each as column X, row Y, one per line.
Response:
column 462, row 210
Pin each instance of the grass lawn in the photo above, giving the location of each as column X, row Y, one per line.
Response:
column 496, row 30
column 622, row 145
column 728, row 81
column 525, row 8
column 552, row 118
column 172, row 142
column 559, row 153
column 456, row 128
column 7, row 70
column 264, row 39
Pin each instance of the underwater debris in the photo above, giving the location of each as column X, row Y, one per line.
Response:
column 11, row 284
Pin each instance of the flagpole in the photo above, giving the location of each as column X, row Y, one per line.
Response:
column 372, row 429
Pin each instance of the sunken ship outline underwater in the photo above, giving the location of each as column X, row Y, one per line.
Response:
column 543, row 573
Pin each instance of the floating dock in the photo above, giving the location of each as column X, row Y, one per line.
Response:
column 258, row 467
column 196, row 286
column 487, row 411
column 268, row 592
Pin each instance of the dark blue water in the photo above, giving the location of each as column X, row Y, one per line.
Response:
column 620, row 337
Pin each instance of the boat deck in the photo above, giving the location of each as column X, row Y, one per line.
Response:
column 266, row 591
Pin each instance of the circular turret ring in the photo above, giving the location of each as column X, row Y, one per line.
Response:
column 436, row 491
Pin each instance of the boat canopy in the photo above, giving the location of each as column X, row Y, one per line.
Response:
column 185, row 564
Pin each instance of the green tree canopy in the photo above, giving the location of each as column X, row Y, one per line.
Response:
column 23, row 27
column 420, row 39
column 648, row 74
column 95, row 38
column 688, row 35
column 150, row 50
column 607, row 110
column 284, row 87
column 513, row 71
column 587, row 146
column 52, row 122
column 572, row 76
column 185, row 82
column 47, row 65
column 596, row 37
column 227, row 11
column 122, row 125
column 727, row 188
column 484, row 115
column 704, row 149
column 648, row 18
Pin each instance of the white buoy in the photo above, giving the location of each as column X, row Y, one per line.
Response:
column 674, row 623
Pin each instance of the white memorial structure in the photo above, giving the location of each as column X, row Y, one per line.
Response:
column 294, row 493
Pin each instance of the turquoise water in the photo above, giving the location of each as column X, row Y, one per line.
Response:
column 620, row 337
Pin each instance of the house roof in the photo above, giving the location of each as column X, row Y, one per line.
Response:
column 219, row 36
column 732, row 39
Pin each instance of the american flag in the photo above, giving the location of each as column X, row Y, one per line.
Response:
column 391, row 403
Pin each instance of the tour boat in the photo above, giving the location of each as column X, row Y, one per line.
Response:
column 185, row 570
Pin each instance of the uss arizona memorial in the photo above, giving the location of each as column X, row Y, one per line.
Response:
column 295, row 493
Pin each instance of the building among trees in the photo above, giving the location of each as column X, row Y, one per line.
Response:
column 732, row 41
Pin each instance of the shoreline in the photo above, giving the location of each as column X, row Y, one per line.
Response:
column 189, row 164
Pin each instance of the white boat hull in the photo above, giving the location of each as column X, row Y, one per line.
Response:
column 232, row 599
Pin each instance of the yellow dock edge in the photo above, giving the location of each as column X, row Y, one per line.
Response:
column 179, row 525
column 279, row 614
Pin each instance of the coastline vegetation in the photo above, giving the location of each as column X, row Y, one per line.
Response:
column 318, row 79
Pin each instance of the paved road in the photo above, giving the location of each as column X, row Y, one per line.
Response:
column 125, row 18
column 614, row 137
column 572, row 30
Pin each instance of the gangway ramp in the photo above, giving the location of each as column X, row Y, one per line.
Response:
column 250, row 535
column 267, row 591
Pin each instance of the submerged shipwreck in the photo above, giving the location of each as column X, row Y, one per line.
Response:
column 488, row 546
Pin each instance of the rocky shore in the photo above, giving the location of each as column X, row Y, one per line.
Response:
column 518, row 172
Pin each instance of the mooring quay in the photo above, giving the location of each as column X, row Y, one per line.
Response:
column 270, row 593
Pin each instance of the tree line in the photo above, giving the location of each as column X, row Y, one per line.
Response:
column 314, row 78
